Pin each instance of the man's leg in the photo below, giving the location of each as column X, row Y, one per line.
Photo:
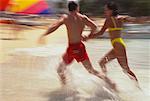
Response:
column 61, row 72
column 87, row 64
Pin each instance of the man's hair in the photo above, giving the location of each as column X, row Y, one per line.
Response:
column 72, row 6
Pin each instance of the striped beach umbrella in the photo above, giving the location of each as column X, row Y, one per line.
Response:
column 4, row 4
column 26, row 6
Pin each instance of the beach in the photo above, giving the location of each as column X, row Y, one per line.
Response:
column 28, row 70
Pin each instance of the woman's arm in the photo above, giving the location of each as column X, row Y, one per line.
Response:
column 135, row 19
column 103, row 29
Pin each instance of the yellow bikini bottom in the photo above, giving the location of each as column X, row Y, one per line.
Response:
column 115, row 29
column 119, row 40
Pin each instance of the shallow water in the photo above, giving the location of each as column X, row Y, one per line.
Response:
column 137, row 27
column 30, row 74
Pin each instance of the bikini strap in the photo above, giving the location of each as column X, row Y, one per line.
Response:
column 113, row 20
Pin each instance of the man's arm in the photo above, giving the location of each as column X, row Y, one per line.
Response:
column 103, row 29
column 55, row 26
column 90, row 24
column 52, row 28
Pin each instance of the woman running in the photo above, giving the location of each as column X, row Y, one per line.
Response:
column 114, row 26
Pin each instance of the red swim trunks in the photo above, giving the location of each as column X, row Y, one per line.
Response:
column 75, row 51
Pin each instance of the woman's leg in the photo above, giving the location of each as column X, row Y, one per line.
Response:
column 120, row 52
column 107, row 58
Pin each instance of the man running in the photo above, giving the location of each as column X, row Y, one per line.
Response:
column 75, row 23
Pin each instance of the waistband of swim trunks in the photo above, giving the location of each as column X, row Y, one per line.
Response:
column 75, row 44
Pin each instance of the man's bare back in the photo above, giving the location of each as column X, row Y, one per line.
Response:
column 75, row 23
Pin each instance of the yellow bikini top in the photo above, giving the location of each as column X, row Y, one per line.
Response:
column 115, row 26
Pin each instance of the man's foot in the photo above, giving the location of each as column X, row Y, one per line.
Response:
column 103, row 68
column 63, row 82
column 62, row 79
column 114, row 87
column 110, row 83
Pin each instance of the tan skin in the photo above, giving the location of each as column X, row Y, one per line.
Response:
column 118, row 51
column 75, row 23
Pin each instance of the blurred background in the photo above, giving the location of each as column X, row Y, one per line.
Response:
column 91, row 7
column 130, row 7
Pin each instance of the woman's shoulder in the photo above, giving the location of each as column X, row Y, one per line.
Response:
column 122, row 18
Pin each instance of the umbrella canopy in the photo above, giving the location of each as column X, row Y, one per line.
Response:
column 26, row 6
column 4, row 4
